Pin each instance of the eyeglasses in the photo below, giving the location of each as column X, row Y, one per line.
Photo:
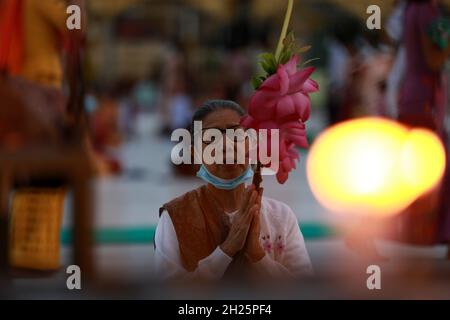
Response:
column 209, row 135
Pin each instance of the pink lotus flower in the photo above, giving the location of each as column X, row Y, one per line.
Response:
column 282, row 102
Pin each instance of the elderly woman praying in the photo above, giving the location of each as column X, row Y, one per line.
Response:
column 224, row 228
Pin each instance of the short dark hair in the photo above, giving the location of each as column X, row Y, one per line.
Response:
column 211, row 106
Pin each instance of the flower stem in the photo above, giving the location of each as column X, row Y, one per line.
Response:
column 287, row 19
column 257, row 178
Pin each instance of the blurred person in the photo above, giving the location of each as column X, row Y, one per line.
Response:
column 338, row 57
column 363, row 70
column 223, row 229
column 147, row 92
column 341, row 68
column 180, row 105
column 106, row 135
column 237, row 71
column 33, row 42
column 423, row 96
column 32, row 37
column 423, row 103
column 394, row 29
column 128, row 108
column 351, row 95
column 367, row 83
column 176, row 103
column 38, row 40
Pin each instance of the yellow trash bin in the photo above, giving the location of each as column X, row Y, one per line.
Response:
column 35, row 228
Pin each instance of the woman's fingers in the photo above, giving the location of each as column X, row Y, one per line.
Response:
column 244, row 226
column 254, row 210
column 246, row 220
column 247, row 196
column 243, row 222
column 256, row 218
column 260, row 192
column 246, row 211
column 248, row 202
column 252, row 200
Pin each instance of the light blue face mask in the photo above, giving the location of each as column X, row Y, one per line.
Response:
column 224, row 184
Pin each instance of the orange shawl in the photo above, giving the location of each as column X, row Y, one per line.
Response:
column 200, row 227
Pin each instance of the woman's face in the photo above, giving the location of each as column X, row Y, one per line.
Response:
column 225, row 119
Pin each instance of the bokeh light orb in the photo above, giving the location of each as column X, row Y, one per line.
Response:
column 373, row 166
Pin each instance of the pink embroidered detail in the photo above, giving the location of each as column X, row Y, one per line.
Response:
column 279, row 245
column 267, row 244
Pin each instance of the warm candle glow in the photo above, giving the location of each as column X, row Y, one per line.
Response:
column 373, row 166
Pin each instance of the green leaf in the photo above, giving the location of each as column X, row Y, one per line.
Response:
column 284, row 57
column 268, row 63
column 290, row 38
column 303, row 49
column 256, row 82
column 268, row 67
column 267, row 57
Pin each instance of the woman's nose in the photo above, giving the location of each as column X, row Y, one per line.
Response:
column 229, row 145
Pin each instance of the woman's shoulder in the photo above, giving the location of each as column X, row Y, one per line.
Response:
column 277, row 209
column 182, row 202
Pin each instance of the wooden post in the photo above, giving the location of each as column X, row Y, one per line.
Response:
column 82, row 227
column 4, row 229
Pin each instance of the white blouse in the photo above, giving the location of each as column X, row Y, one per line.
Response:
column 281, row 238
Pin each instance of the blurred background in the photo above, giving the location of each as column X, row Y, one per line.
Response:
column 148, row 64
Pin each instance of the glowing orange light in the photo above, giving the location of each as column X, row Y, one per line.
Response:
column 373, row 166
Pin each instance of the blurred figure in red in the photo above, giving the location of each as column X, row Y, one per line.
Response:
column 423, row 97
column 105, row 133
column 32, row 38
column 423, row 103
